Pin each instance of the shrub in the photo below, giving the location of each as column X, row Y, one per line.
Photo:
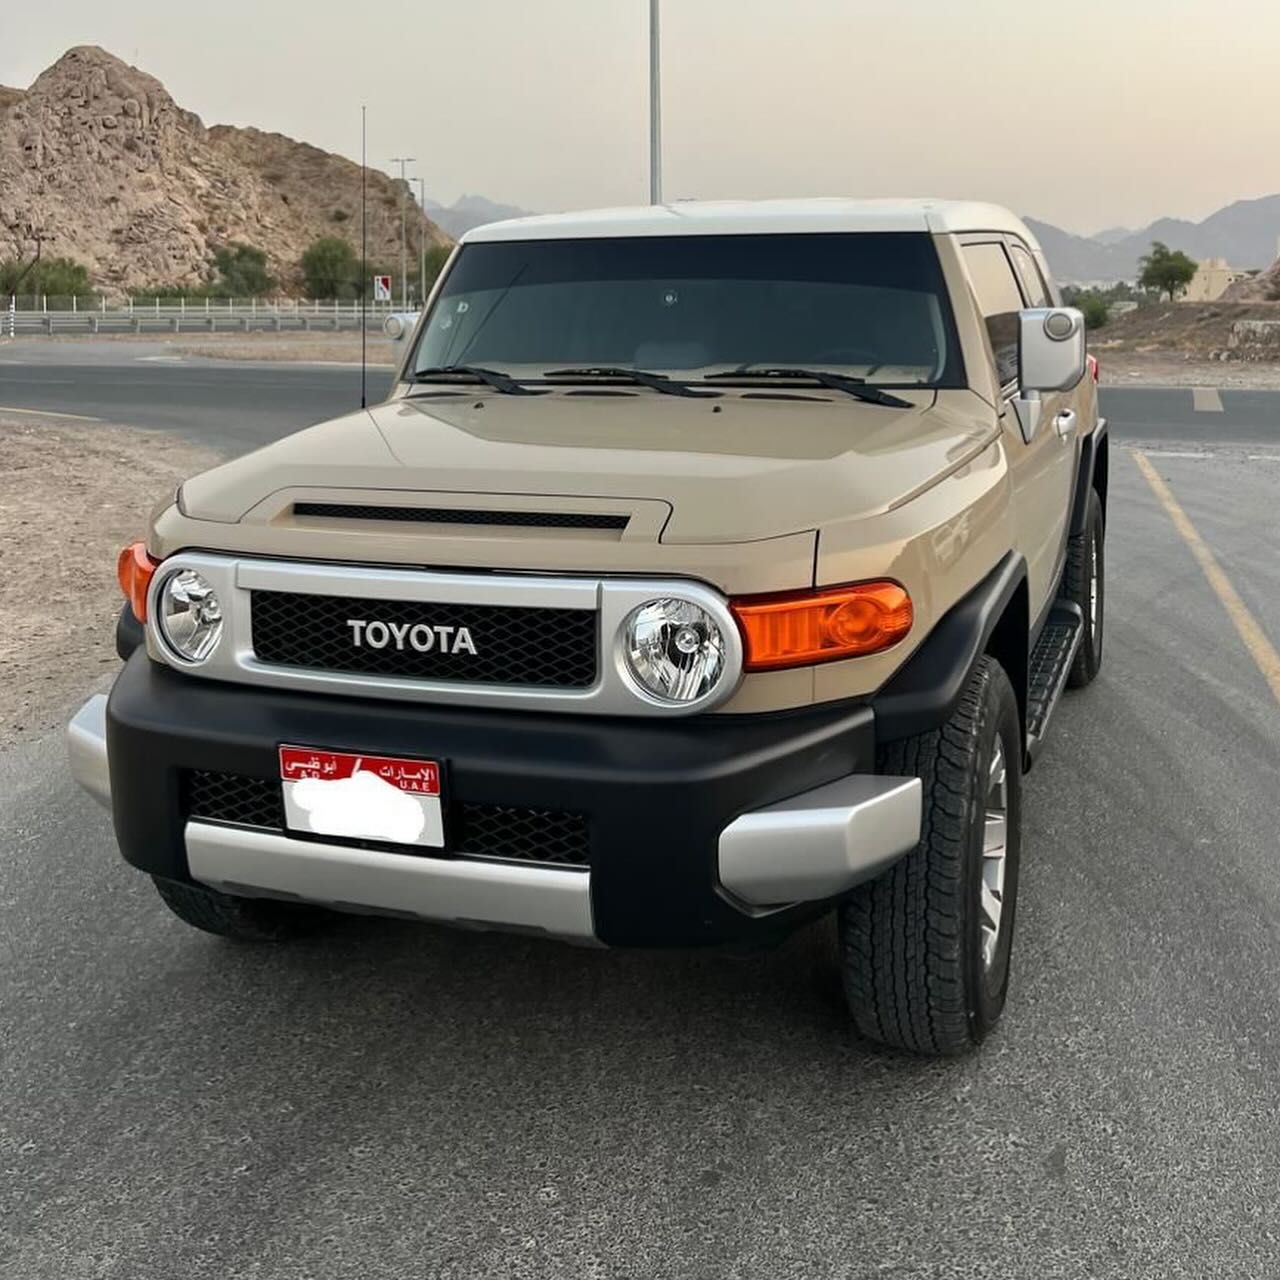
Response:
column 243, row 271
column 1094, row 308
column 331, row 268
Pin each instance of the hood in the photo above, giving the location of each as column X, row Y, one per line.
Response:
column 739, row 468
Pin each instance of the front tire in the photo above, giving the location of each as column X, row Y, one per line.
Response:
column 242, row 919
column 925, row 947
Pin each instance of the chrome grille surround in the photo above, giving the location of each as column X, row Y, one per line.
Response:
column 234, row 578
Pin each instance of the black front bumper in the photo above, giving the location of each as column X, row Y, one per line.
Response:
column 656, row 794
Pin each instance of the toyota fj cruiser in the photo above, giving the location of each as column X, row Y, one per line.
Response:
column 709, row 569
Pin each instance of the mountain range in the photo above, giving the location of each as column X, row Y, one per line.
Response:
column 470, row 211
column 1246, row 234
column 99, row 164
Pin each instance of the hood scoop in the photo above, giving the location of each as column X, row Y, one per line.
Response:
column 464, row 516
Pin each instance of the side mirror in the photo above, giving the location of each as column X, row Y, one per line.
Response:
column 400, row 324
column 1051, row 357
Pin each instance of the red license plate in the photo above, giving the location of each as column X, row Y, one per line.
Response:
column 337, row 793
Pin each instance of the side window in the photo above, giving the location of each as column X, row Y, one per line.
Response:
column 996, row 289
column 1029, row 273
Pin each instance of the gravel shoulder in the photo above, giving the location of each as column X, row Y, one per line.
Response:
column 1170, row 370
column 70, row 497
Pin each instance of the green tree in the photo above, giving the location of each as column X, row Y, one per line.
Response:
column 1165, row 269
column 242, row 271
column 331, row 268
column 1093, row 306
column 437, row 256
column 60, row 277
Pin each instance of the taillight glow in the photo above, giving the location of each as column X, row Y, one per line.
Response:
column 134, row 569
column 806, row 627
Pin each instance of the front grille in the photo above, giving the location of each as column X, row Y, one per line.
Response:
column 545, row 648
column 474, row 830
column 451, row 515
column 523, row 835
column 231, row 797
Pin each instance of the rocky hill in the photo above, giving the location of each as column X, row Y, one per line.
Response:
column 1260, row 288
column 99, row 161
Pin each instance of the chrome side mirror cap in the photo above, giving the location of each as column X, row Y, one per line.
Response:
column 1051, row 357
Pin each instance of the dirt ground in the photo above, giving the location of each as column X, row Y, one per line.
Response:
column 70, row 497
column 327, row 348
column 1166, row 369
column 324, row 348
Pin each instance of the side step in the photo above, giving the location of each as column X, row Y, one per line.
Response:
column 1047, row 669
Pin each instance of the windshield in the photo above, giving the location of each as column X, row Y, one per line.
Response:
column 872, row 305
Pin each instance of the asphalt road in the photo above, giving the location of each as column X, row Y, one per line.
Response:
column 396, row 1100
column 233, row 407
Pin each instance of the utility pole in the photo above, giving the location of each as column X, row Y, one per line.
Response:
column 404, row 186
column 655, row 105
column 422, row 242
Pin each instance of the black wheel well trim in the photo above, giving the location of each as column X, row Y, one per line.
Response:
column 992, row 618
column 1094, row 474
column 129, row 633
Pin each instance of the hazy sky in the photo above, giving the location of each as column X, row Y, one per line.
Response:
column 1086, row 113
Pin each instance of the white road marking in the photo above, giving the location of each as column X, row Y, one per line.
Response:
column 1174, row 453
column 1206, row 399
column 49, row 413
column 160, row 359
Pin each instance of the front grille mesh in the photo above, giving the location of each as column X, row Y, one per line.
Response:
column 525, row 835
column 231, row 797
column 476, row 830
column 457, row 515
column 532, row 647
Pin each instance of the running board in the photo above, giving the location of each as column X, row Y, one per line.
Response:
column 1047, row 669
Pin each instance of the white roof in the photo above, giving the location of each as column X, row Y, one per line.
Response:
column 762, row 217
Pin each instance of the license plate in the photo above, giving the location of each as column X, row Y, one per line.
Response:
column 336, row 793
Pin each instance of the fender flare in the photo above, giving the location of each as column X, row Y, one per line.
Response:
column 1094, row 448
column 926, row 689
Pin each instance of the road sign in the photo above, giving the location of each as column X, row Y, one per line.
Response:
column 382, row 288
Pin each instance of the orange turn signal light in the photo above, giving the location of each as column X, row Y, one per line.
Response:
column 805, row 627
column 134, row 569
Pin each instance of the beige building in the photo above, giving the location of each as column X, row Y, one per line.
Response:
column 1212, row 279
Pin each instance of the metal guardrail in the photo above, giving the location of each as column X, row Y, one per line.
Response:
column 207, row 315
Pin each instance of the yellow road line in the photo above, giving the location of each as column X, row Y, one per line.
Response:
column 48, row 413
column 1261, row 650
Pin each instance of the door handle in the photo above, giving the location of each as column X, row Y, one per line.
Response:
column 1065, row 423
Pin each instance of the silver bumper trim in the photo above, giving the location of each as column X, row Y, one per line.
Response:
column 87, row 749
column 255, row 863
column 821, row 842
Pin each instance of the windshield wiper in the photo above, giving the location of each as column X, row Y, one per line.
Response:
column 859, row 388
column 507, row 385
column 641, row 377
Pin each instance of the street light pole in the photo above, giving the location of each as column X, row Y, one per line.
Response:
column 422, row 242
column 404, row 270
column 655, row 105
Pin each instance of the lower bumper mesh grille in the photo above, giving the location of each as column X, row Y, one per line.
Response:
column 475, row 830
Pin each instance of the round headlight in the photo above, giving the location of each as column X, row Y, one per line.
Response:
column 189, row 615
column 674, row 650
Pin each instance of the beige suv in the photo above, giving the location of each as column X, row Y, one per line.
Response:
column 710, row 569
